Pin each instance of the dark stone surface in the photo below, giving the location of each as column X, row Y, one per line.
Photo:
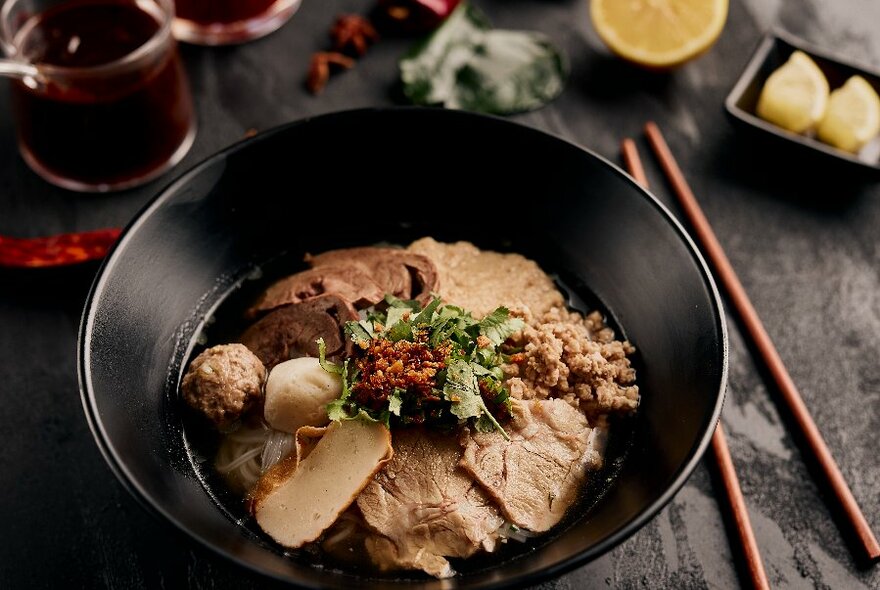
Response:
column 805, row 243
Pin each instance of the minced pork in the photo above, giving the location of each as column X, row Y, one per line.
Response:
column 565, row 355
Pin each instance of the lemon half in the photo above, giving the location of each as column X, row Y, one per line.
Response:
column 795, row 96
column 853, row 116
column 658, row 33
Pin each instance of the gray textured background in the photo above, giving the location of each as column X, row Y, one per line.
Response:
column 805, row 243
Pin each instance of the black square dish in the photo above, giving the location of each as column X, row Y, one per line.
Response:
column 772, row 52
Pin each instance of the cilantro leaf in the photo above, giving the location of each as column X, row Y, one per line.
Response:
column 498, row 326
column 463, row 391
column 468, row 367
column 395, row 314
column 410, row 304
column 342, row 408
column 360, row 332
column 480, row 370
column 338, row 414
column 400, row 331
column 397, row 327
column 453, row 312
column 395, row 402
column 427, row 313
column 485, row 423
column 336, row 410
column 322, row 359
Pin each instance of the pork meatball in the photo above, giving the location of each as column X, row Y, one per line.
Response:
column 224, row 382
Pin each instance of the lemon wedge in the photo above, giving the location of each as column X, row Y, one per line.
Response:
column 658, row 33
column 795, row 96
column 853, row 116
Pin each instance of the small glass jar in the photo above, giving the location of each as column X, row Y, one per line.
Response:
column 100, row 97
column 224, row 22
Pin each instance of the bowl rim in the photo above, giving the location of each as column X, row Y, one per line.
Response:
column 117, row 464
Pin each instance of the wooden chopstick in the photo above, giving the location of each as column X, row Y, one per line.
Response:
column 633, row 162
column 733, row 492
column 748, row 543
column 761, row 340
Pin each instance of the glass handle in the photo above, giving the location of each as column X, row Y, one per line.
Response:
column 19, row 70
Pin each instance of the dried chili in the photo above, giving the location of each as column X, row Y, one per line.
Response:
column 58, row 250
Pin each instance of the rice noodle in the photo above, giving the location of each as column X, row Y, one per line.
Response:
column 240, row 460
column 342, row 529
column 244, row 455
column 278, row 445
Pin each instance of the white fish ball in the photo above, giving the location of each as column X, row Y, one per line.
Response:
column 297, row 394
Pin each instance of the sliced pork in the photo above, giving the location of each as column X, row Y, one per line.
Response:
column 537, row 475
column 425, row 507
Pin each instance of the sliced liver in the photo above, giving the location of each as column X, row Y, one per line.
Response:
column 401, row 273
column 292, row 331
column 348, row 282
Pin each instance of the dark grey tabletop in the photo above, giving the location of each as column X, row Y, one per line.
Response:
column 805, row 242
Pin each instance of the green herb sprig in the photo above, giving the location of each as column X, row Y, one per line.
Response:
column 474, row 358
column 466, row 64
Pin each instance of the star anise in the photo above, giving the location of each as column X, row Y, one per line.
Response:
column 352, row 34
column 319, row 70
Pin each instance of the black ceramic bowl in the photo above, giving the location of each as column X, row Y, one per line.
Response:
column 393, row 175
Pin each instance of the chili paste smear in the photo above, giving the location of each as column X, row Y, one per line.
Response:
column 434, row 365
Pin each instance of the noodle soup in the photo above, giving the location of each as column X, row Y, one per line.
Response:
column 435, row 408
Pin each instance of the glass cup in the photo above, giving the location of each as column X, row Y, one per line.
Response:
column 223, row 22
column 100, row 97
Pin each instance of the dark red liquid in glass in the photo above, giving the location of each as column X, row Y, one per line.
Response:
column 101, row 128
column 208, row 12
